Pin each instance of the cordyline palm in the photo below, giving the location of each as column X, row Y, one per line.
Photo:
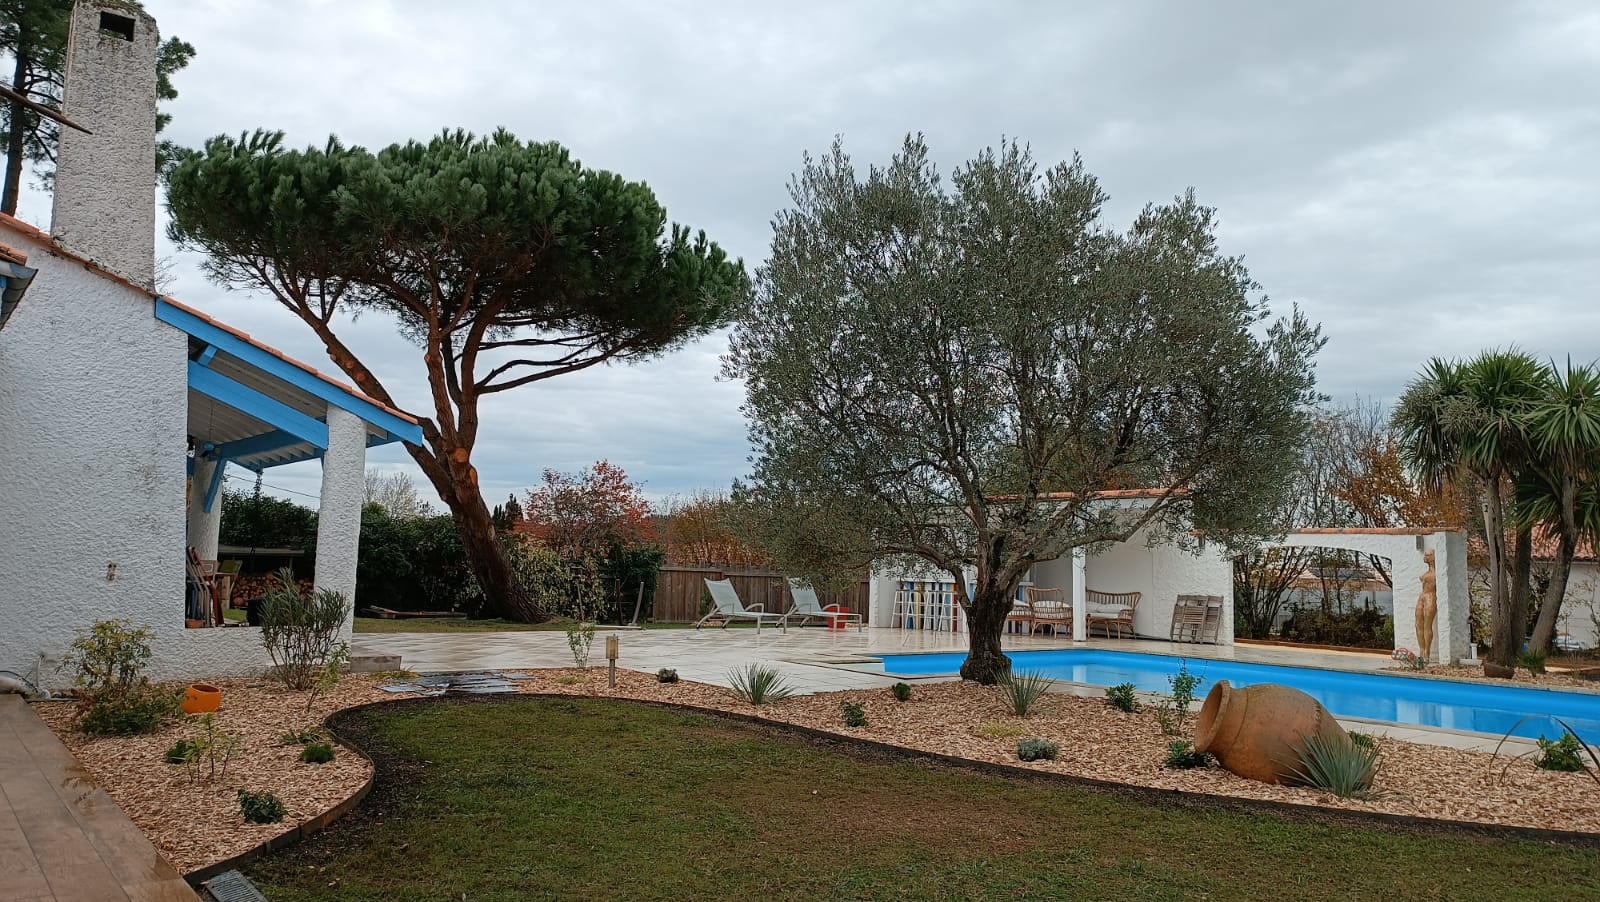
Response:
column 1557, row 490
column 1468, row 420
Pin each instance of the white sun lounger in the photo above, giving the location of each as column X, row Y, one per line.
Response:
column 726, row 607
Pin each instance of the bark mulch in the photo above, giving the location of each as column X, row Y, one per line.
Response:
column 197, row 823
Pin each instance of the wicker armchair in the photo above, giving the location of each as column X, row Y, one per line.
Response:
column 1112, row 610
column 1050, row 608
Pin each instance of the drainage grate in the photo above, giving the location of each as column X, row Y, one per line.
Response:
column 232, row 886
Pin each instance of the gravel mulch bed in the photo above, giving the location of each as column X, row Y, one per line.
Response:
column 195, row 824
column 1550, row 680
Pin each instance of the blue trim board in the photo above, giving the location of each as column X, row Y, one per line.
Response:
column 399, row 429
column 206, row 354
column 248, row 400
column 257, row 444
column 216, row 483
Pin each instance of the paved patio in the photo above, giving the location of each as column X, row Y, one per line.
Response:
column 61, row 836
column 812, row 659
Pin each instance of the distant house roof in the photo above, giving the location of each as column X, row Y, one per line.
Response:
column 15, row 276
column 1546, row 547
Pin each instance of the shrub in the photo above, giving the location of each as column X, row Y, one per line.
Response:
column 301, row 631
column 302, row 737
column 901, row 691
column 1181, row 755
column 580, row 639
column 1532, row 661
column 317, row 753
column 1564, row 754
column 854, row 714
column 993, row 730
column 210, row 750
column 1172, row 712
column 759, row 684
column 180, row 751
column 666, row 675
column 1022, row 690
column 261, row 807
column 108, row 661
column 1038, row 749
column 1337, row 765
column 1121, row 697
column 1363, row 740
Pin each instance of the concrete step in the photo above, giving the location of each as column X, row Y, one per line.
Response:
column 364, row 660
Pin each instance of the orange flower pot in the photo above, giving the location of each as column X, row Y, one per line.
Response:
column 201, row 698
column 1257, row 731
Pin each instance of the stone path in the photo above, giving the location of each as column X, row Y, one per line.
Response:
column 61, row 836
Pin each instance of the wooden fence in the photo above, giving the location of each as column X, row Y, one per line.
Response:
column 681, row 585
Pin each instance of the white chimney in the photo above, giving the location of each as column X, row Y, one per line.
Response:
column 105, row 184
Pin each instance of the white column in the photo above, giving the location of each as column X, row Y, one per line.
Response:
column 1452, row 630
column 204, row 526
column 1080, row 600
column 344, row 488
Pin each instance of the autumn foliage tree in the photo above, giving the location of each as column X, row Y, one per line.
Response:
column 505, row 262
column 598, row 524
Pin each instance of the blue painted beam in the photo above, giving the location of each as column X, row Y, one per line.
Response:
column 218, row 337
column 216, row 483
column 206, row 354
column 257, row 444
column 247, row 400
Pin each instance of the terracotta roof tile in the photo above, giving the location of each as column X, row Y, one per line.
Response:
column 1546, row 546
column 13, row 255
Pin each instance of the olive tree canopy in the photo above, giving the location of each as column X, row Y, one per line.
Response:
column 956, row 375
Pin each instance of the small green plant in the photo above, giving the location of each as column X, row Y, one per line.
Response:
column 180, row 751
column 1564, row 754
column 317, row 753
column 1038, row 750
column 580, row 638
column 1182, row 756
column 1363, row 740
column 666, row 675
column 758, row 684
column 302, row 737
column 209, row 751
column 301, row 630
column 569, row 679
column 1337, row 765
column 1172, row 712
column 854, row 714
column 395, row 675
column 1121, row 697
column 901, row 691
column 1022, row 690
column 115, row 697
column 1531, row 660
column 995, row 730
column 261, row 807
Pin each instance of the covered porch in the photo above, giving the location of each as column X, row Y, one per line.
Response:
column 251, row 406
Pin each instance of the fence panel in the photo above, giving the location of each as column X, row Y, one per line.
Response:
column 680, row 587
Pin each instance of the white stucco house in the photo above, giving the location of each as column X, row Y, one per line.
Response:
column 1158, row 571
column 119, row 407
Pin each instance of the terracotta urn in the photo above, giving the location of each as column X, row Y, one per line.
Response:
column 1257, row 731
column 200, row 698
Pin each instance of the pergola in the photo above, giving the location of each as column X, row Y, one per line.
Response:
column 252, row 406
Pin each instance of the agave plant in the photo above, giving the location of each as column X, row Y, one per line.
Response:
column 1021, row 690
column 758, row 684
column 1338, row 765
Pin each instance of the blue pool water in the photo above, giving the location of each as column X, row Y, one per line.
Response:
column 1481, row 708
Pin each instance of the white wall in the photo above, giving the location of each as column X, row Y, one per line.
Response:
column 1582, row 604
column 93, row 417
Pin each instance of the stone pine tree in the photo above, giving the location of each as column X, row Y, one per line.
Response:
column 954, row 376
column 506, row 262
column 33, row 35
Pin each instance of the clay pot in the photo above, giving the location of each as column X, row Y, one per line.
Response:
column 1257, row 731
column 200, row 698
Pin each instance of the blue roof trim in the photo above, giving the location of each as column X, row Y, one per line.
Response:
column 259, row 444
column 399, row 428
column 266, row 409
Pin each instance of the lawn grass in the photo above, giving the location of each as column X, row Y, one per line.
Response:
column 512, row 798
column 492, row 625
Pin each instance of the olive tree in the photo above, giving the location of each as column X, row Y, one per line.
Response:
column 957, row 376
column 506, row 262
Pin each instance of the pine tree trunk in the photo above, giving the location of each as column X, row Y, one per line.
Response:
column 503, row 592
column 986, row 623
column 15, row 141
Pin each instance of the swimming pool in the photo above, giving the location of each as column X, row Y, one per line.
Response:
column 1481, row 708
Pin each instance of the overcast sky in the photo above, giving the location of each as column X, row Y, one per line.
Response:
column 1420, row 177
